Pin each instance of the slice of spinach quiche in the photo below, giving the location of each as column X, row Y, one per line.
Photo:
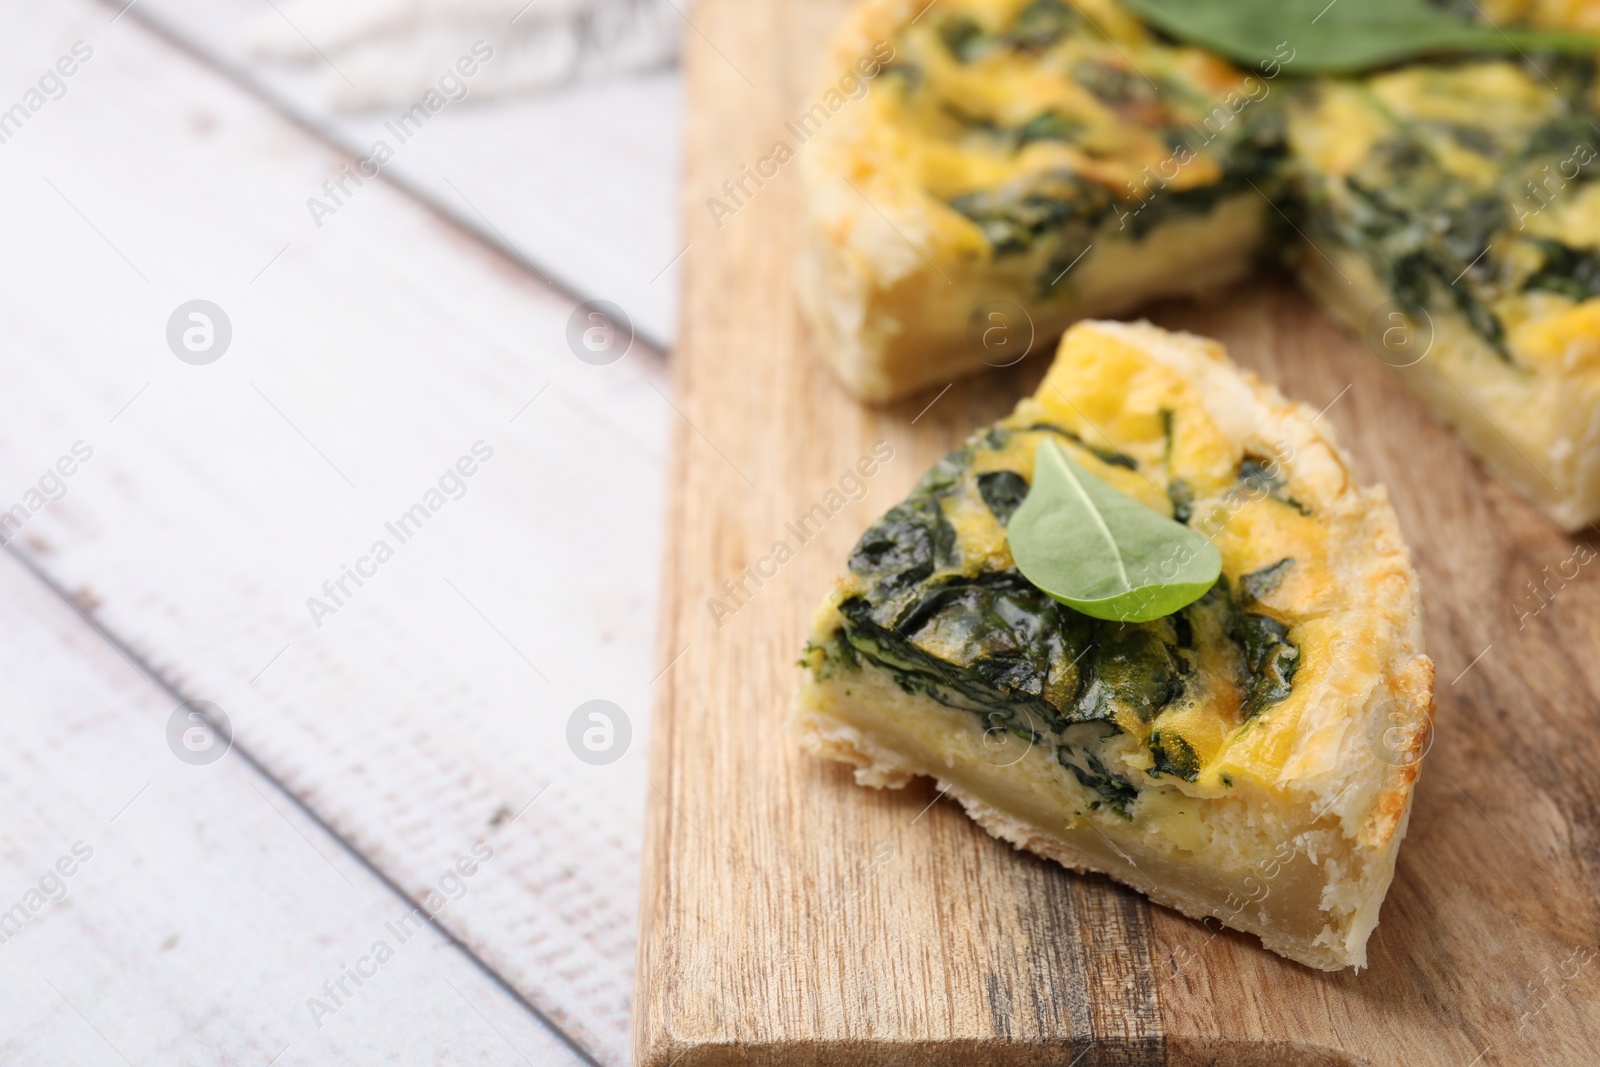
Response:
column 1249, row 757
column 1062, row 158
column 1047, row 153
column 1454, row 210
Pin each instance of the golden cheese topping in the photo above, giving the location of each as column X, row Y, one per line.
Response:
column 1469, row 190
column 1205, row 699
column 991, row 107
column 1553, row 14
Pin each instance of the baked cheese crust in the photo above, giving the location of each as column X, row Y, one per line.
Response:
column 1249, row 758
column 1008, row 152
column 1060, row 158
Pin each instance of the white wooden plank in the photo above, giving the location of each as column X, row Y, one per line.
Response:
column 364, row 361
column 196, row 911
column 583, row 180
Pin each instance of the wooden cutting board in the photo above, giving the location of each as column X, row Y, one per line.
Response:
column 790, row 917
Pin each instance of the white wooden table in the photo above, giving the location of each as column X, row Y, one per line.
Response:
column 405, row 745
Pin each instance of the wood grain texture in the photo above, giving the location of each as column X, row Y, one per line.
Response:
column 433, row 707
column 791, row 917
column 578, row 180
column 211, row 908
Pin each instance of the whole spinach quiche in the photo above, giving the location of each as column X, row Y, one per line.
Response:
column 1250, row 756
column 1064, row 158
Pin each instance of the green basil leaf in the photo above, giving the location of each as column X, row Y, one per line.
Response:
column 1100, row 551
column 1342, row 37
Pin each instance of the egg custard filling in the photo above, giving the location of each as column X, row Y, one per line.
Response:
column 1022, row 164
column 1272, row 726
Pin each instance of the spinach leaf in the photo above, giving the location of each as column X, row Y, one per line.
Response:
column 1102, row 552
column 1135, row 670
column 1039, row 26
column 1045, row 126
column 1003, row 492
column 910, row 542
column 1257, row 476
column 1043, row 23
column 1173, row 755
column 1179, row 491
column 1257, row 584
column 1109, row 456
column 1115, row 791
column 963, row 37
column 1017, row 215
column 989, row 644
column 1572, row 272
column 1344, row 37
column 1114, row 86
column 1270, row 659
